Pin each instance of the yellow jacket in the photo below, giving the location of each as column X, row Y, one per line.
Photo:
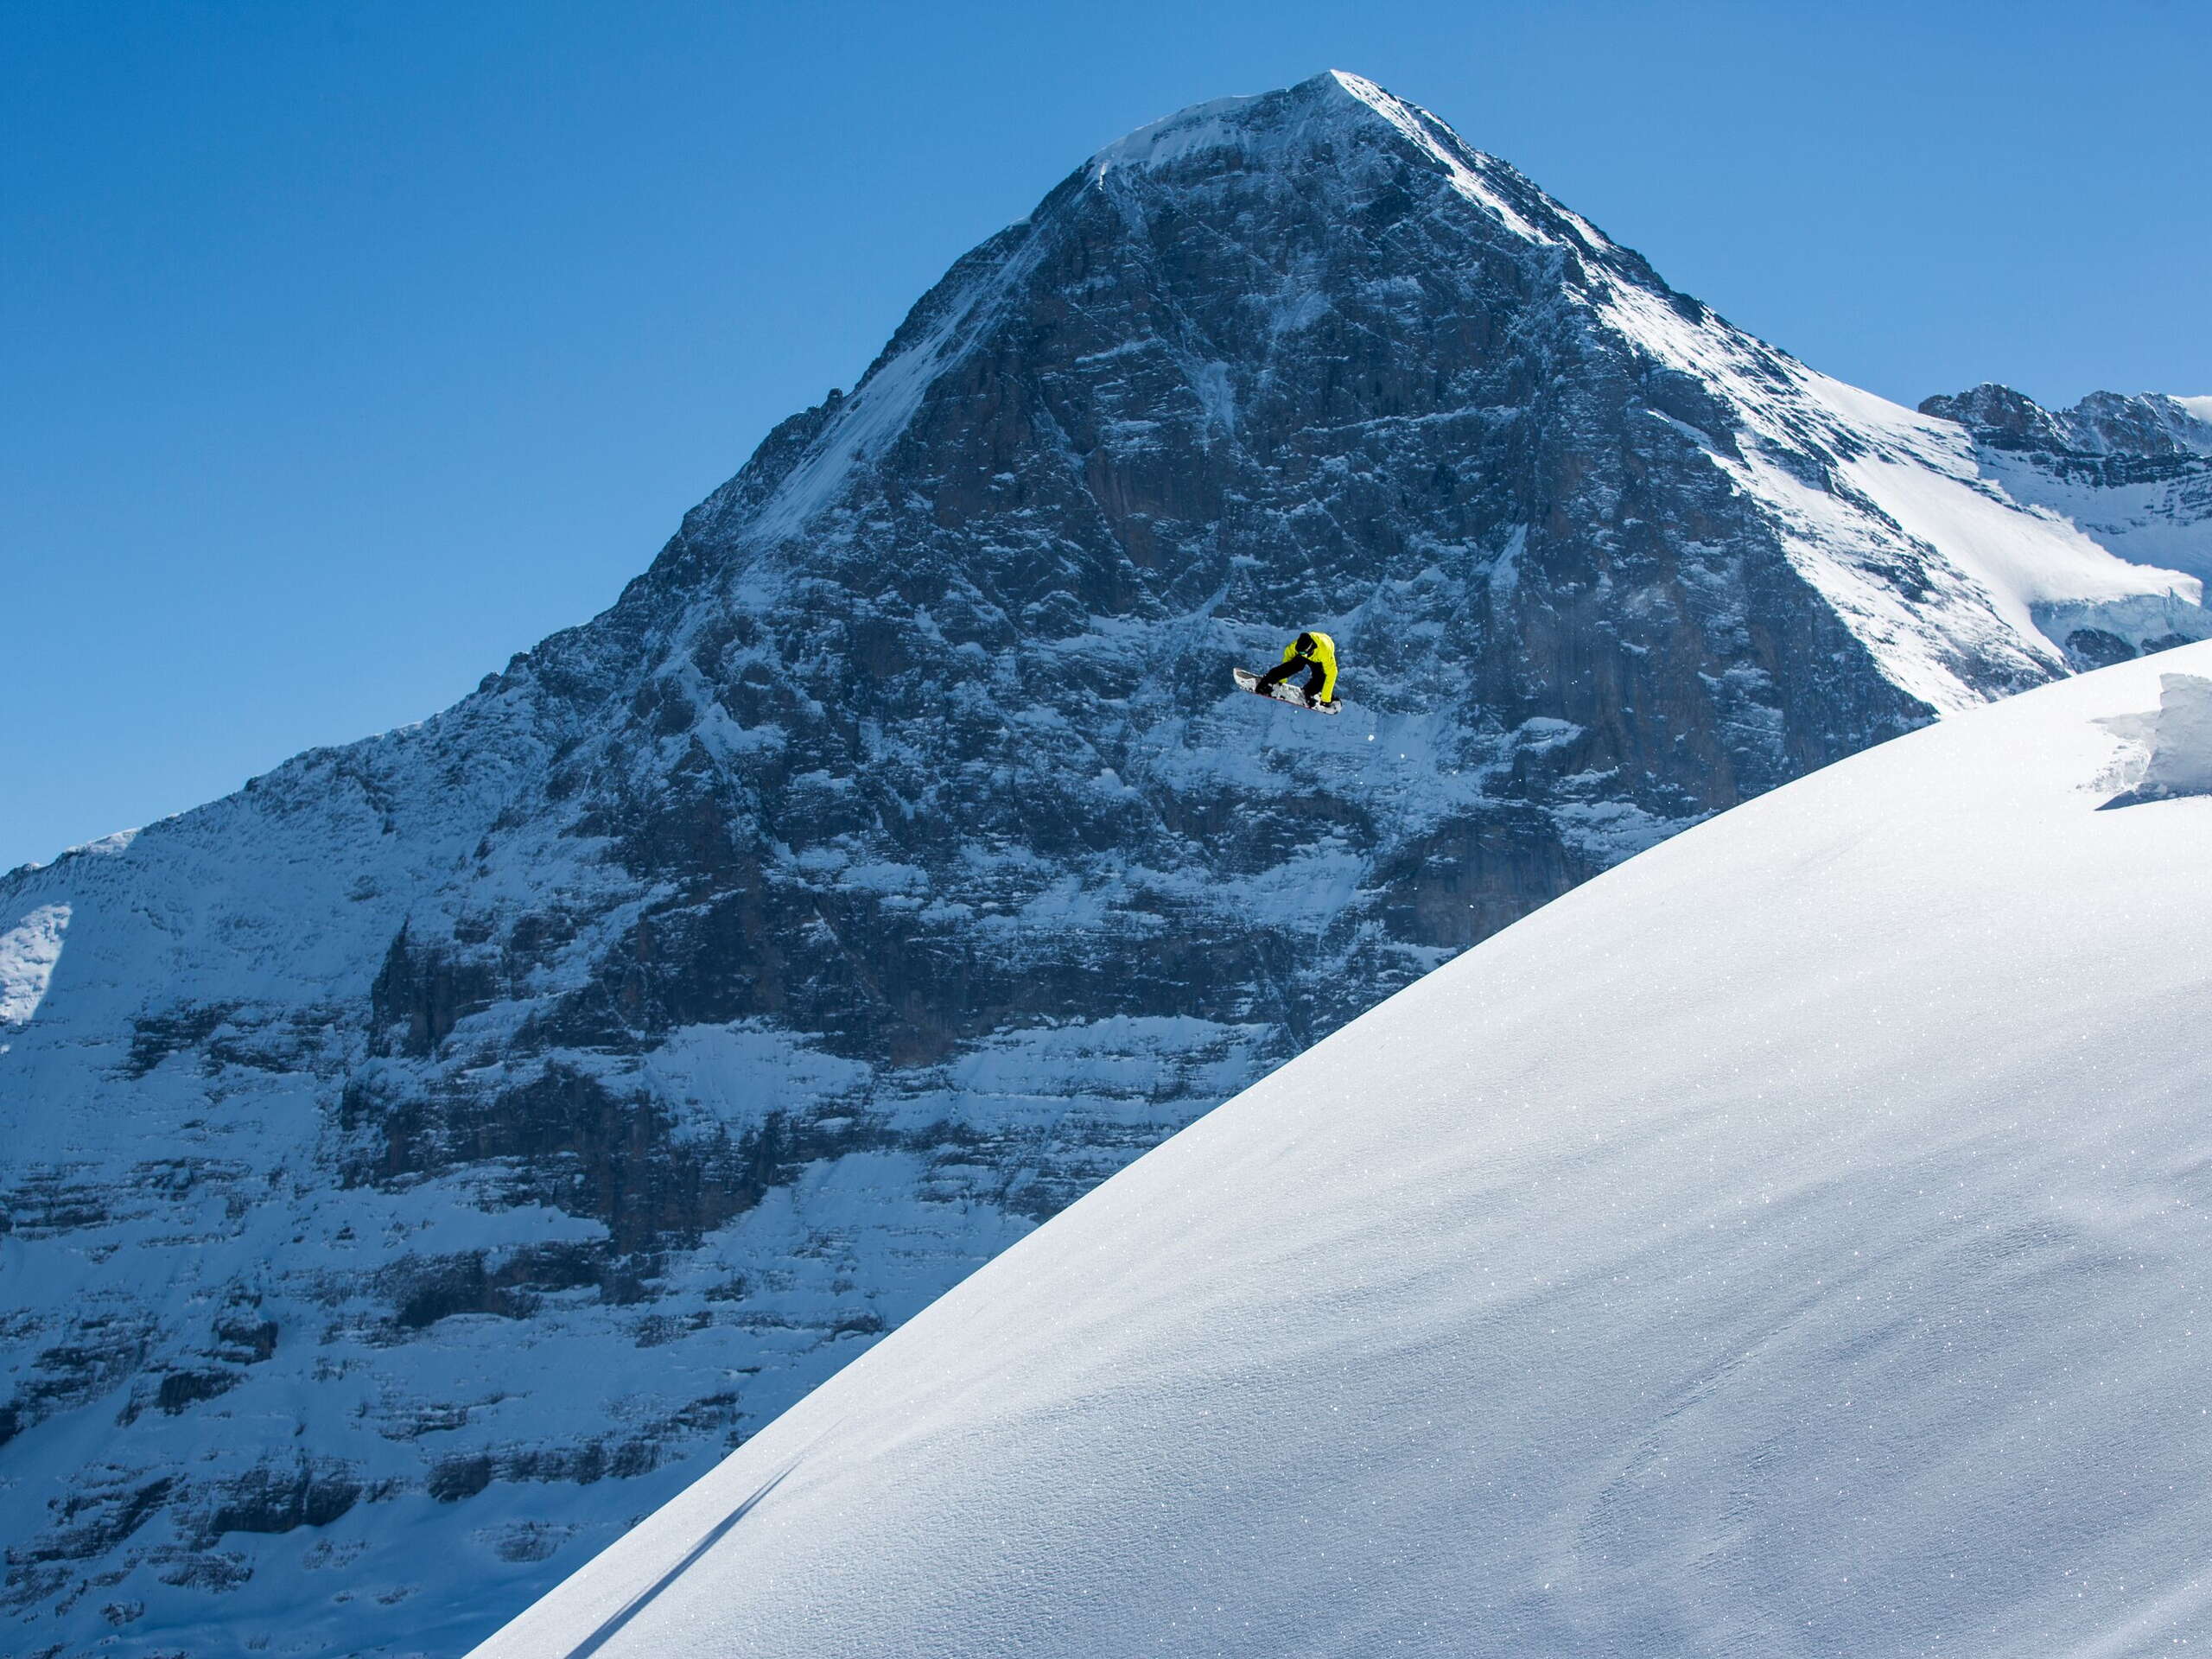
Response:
column 1322, row 650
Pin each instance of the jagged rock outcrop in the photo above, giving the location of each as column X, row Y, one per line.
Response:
column 423, row 1161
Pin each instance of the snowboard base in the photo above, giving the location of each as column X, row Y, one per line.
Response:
column 1281, row 691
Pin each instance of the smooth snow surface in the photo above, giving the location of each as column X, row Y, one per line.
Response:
column 1789, row 1243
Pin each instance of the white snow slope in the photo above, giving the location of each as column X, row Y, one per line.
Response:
column 1794, row 1242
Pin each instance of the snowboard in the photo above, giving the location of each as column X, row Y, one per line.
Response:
column 1282, row 691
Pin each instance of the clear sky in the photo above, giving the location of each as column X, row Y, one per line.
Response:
column 350, row 347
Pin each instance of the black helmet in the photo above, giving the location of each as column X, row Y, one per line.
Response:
column 1305, row 644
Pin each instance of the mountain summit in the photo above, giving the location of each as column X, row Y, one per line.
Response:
column 425, row 1161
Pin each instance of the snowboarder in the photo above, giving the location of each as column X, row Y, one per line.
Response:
column 1317, row 654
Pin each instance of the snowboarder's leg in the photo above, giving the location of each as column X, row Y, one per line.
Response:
column 1316, row 677
column 1275, row 675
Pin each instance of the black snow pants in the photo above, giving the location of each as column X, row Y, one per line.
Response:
column 1315, row 675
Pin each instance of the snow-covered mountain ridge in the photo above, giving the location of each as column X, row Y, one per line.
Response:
column 424, row 1161
column 1823, row 1276
column 2135, row 472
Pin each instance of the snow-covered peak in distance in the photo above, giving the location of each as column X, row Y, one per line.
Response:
column 2133, row 472
column 2149, row 422
column 2147, row 426
column 1789, row 1243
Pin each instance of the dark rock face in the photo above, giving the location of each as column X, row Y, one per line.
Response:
column 450, row 1143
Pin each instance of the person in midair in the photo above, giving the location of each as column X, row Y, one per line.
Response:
column 1315, row 652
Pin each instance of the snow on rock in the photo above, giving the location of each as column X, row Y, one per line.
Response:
column 433, row 1156
column 1860, row 488
column 27, row 953
column 2133, row 473
column 1790, row 1242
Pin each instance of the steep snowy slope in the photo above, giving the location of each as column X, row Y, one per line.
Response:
column 1794, row 1242
column 421, row 1163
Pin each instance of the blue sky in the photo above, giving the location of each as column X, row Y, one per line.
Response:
column 353, row 347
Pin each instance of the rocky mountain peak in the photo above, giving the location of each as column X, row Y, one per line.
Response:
column 1290, row 127
column 436, row 1152
column 1999, row 415
column 1342, row 136
column 2141, row 426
